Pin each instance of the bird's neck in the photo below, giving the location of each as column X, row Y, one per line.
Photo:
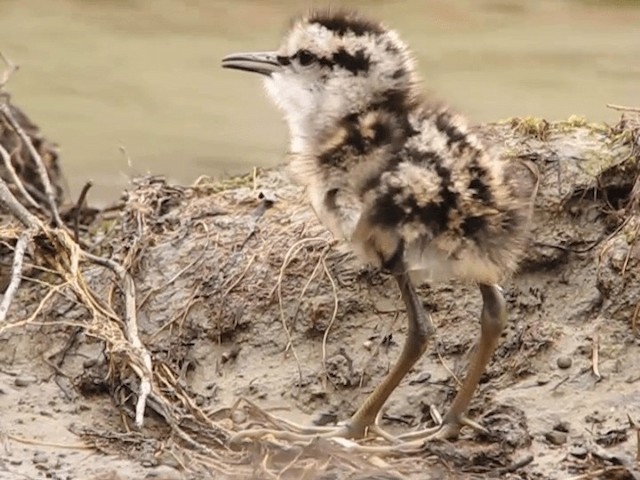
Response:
column 326, row 148
column 308, row 130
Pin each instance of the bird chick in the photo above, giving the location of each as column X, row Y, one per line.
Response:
column 399, row 177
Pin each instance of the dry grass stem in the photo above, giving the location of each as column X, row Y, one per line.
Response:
column 623, row 108
column 291, row 253
column 334, row 313
column 31, row 318
column 595, row 347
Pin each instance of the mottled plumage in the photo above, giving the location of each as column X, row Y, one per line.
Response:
column 399, row 176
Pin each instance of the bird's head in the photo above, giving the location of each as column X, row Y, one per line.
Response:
column 328, row 66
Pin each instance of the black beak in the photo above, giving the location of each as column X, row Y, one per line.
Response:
column 264, row 63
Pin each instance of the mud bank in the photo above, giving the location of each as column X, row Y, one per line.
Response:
column 213, row 304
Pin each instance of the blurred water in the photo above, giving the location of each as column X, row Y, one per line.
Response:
column 144, row 74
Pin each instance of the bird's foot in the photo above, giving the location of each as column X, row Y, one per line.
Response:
column 345, row 434
column 415, row 442
column 358, row 434
column 295, row 433
column 447, row 430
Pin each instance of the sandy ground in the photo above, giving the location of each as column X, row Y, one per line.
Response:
column 213, row 299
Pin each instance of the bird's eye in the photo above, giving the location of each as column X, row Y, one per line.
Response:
column 305, row 57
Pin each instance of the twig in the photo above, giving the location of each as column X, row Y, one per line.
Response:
column 293, row 250
column 36, row 312
column 623, row 108
column 436, row 416
column 25, row 217
column 78, row 208
column 190, row 303
column 8, row 73
column 126, row 156
column 16, row 179
column 293, row 462
column 28, row 441
column 446, row 366
column 595, row 357
column 16, row 273
column 131, row 331
column 616, row 458
column 597, row 473
column 517, row 465
column 190, row 267
column 238, row 279
column 33, row 225
column 636, row 427
column 42, row 171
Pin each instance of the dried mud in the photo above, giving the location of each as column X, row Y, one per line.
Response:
column 241, row 294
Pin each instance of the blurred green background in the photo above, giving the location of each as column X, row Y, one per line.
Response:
column 145, row 74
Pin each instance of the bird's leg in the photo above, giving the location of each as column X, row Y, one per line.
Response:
column 492, row 319
column 418, row 334
column 419, row 331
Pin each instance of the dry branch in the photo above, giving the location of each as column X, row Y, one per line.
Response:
column 25, row 217
column 6, row 158
column 42, row 171
column 16, row 273
column 71, row 270
column 9, row 71
column 131, row 324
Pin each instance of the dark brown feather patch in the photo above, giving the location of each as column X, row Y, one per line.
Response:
column 343, row 22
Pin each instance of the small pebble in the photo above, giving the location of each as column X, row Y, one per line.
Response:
column 556, row 438
column 542, row 380
column 423, row 377
column 231, row 354
column 367, row 344
column 40, row 457
column 386, row 305
column 89, row 362
column 564, row 362
column 24, row 381
column 562, row 426
column 578, row 452
column 238, row 417
column 325, row 418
